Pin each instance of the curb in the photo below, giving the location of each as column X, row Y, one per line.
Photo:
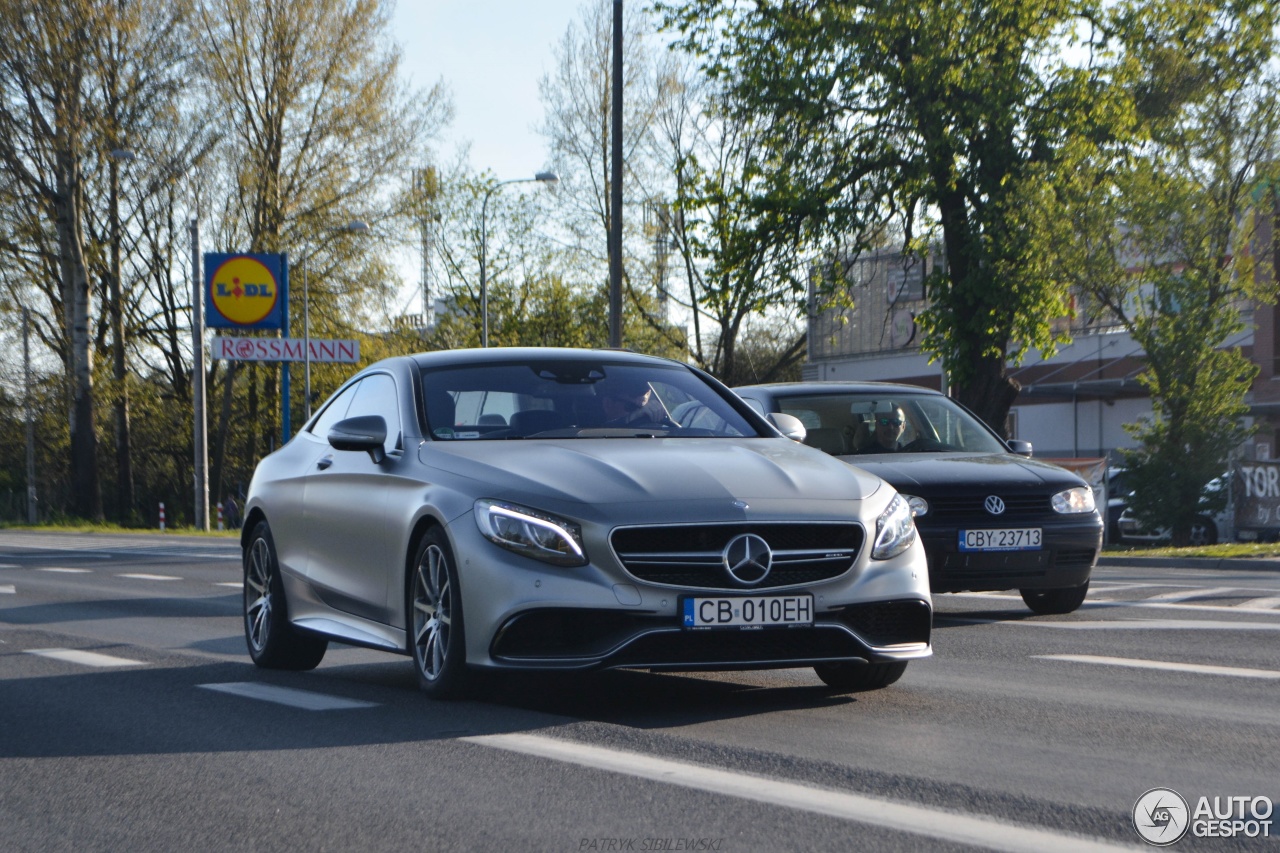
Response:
column 1227, row 564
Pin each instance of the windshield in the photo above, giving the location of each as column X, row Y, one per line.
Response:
column 575, row 399
column 859, row 423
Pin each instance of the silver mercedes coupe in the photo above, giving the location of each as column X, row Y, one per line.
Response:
column 525, row 509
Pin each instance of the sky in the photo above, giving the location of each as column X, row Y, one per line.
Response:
column 491, row 55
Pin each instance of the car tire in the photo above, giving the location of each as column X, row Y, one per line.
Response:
column 1055, row 601
column 1203, row 532
column 852, row 677
column 437, row 639
column 273, row 642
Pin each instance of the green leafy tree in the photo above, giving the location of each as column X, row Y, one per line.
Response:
column 946, row 117
column 1162, row 232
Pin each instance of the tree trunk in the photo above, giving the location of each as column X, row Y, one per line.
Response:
column 989, row 393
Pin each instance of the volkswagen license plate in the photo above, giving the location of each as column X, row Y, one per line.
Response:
column 1003, row 539
column 762, row 611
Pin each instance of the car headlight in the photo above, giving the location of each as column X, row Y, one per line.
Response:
column 895, row 531
column 919, row 506
column 1079, row 499
column 531, row 533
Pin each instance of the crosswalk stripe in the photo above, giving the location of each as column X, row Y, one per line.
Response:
column 1187, row 595
column 987, row 833
column 1171, row 666
column 304, row 699
column 85, row 658
column 146, row 577
column 8, row 589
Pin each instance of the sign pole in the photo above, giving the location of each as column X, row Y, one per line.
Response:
column 286, row 425
column 200, row 425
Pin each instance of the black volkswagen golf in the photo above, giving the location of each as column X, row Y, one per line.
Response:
column 991, row 518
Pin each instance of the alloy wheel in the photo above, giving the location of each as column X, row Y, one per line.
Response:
column 432, row 612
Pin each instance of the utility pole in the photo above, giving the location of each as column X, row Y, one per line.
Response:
column 31, row 429
column 199, row 422
column 615, row 188
column 124, row 450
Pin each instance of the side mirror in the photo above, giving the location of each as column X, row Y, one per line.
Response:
column 1022, row 448
column 788, row 425
column 367, row 433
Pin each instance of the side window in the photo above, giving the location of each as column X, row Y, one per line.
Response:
column 334, row 412
column 377, row 396
column 755, row 404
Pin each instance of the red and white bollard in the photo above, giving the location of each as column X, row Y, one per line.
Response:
column 162, row 517
column 220, row 527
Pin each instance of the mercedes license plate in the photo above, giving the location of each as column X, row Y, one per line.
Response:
column 1002, row 539
column 762, row 611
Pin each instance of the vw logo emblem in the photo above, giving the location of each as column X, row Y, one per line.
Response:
column 994, row 505
column 747, row 558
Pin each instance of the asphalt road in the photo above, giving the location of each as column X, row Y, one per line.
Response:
column 131, row 719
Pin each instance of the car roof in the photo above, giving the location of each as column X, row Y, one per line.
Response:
column 495, row 355
column 804, row 389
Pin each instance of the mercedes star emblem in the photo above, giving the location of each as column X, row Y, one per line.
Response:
column 747, row 558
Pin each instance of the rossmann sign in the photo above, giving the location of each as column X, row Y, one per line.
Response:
column 284, row 349
column 244, row 291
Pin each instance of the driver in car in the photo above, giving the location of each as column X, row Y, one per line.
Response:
column 889, row 424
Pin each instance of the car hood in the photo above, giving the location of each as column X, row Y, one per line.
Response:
column 636, row 470
column 927, row 472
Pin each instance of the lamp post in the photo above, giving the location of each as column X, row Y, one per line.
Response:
column 541, row 177
column 355, row 226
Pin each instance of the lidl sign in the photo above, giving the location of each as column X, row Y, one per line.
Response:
column 244, row 291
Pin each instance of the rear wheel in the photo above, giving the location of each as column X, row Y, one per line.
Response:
column 1055, row 601
column 860, row 676
column 436, row 637
column 273, row 642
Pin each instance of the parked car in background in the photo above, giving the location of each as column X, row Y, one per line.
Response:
column 991, row 517
column 1118, row 490
column 1209, row 528
column 551, row 509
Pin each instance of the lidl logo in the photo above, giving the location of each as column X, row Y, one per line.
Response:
column 243, row 291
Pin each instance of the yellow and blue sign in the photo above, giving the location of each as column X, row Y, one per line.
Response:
column 244, row 291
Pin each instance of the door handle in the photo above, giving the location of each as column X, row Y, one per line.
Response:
column 324, row 463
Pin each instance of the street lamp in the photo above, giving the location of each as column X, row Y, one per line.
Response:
column 355, row 226
column 541, row 177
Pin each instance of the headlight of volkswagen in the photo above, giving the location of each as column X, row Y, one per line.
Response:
column 531, row 533
column 919, row 506
column 1079, row 499
column 895, row 531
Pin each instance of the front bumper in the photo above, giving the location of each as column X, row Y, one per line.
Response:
column 602, row 639
column 1065, row 559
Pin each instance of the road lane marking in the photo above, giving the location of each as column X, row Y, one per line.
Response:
column 145, row 577
column 1170, row 666
column 85, row 658
column 1188, row 594
column 1127, row 624
column 1144, row 604
column 987, row 833
column 1261, row 603
column 8, row 589
column 9, row 566
column 232, row 584
column 304, row 699
column 59, row 570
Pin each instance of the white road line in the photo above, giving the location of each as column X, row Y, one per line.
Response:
column 1134, row 624
column 9, row 566
column 85, row 658
column 65, row 571
column 1137, row 663
column 1188, row 594
column 1261, row 604
column 232, row 584
column 901, row 817
column 1098, row 603
column 303, row 699
column 145, row 577
column 8, row 589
